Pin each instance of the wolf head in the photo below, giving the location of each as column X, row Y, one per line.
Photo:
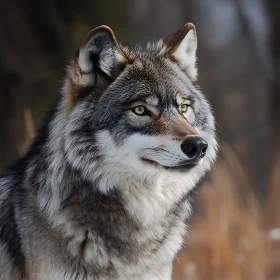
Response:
column 137, row 111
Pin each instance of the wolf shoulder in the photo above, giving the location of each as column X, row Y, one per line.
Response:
column 9, row 247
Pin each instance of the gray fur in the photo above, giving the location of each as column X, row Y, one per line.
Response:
column 81, row 204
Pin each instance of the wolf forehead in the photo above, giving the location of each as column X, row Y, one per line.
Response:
column 152, row 79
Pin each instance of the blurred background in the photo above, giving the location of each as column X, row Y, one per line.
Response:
column 235, row 231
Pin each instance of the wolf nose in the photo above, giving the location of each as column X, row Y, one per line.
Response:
column 194, row 147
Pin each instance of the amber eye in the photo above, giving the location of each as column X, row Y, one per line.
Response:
column 184, row 108
column 140, row 110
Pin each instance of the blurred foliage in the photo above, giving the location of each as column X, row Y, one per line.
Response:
column 239, row 66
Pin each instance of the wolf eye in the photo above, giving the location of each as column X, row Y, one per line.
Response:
column 184, row 108
column 140, row 110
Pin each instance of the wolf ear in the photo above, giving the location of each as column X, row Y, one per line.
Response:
column 99, row 54
column 182, row 47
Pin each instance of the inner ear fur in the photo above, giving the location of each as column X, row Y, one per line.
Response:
column 181, row 48
column 99, row 61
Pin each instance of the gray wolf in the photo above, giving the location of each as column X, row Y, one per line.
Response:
column 104, row 190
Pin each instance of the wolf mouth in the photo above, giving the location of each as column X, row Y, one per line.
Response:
column 184, row 165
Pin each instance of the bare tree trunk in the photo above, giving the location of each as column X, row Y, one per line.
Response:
column 7, row 149
column 274, row 7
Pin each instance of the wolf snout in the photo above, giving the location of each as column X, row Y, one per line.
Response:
column 194, row 147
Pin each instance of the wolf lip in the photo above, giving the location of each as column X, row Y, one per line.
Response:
column 180, row 165
column 181, row 168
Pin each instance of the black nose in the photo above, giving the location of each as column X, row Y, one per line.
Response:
column 194, row 147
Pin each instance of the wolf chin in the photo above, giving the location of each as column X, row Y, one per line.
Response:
column 104, row 190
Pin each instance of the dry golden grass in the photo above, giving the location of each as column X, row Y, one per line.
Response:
column 229, row 236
